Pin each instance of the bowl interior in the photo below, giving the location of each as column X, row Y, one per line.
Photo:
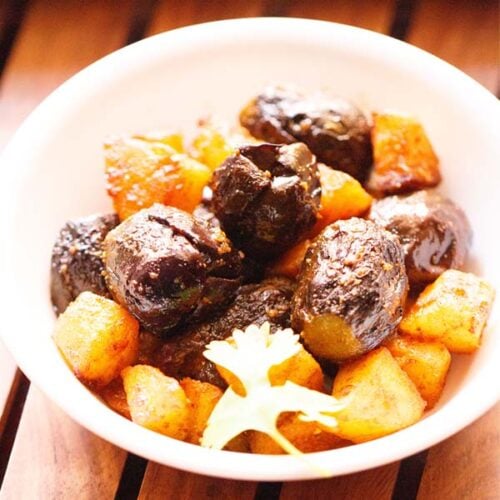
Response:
column 55, row 172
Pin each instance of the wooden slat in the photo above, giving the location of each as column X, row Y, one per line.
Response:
column 170, row 484
column 53, row 457
column 171, row 14
column 375, row 484
column 463, row 33
column 367, row 14
column 467, row 465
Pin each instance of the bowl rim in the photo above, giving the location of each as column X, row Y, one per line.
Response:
column 123, row 433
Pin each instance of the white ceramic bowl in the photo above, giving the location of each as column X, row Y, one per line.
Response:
column 53, row 170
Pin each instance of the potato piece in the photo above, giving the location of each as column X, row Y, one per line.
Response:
column 240, row 443
column 453, row 310
column 426, row 363
column 308, row 437
column 156, row 401
column 342, row 197
column 203, row 397
column 302, row 369
column 381, row 397
column 403, row 156
column 211, row 147
column 290, row 262
column 141, row 171
column 114, row 396
column 97, row 337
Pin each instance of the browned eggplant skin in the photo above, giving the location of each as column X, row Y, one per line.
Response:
column 182, row 355
column 168, row 268
column 76, row 263
column 335, row 130
column 267, row 197
column 434, row 232
column 354, row 273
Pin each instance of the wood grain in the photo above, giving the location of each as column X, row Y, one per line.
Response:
column 375, row 484
column 171, row 14
column 170, row 484
column 53, row 457
column 464, row 33
column 467, row 465
column 366, row 14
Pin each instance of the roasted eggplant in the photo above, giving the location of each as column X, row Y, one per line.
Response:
column 168, row 268
column 76, row 264
column 182, row 354
column 351, row 290
column 434, row 232
column 335, row 130
column 266, row 197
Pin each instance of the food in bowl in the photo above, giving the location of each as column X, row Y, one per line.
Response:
column 225, row 246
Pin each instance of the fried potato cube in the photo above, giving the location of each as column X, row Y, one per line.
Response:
column 308, row 437
column 403, row 156
column 302, row 369
column 211, row 146
column 290, row 262
column 342, row 197
column 143, row 170
column 202, row 398
column 240, row 443
column 97, row 338
column 156, row 401
column 453, row 310
column 114, row 396
column 381, row 398
column 426, row 363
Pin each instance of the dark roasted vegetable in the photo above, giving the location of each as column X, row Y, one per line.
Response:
column 434, row 232
column 168, row 268
column 182, row 355
column 351, row 290
column 335, row 130
column 77, row 264
column 267, row 197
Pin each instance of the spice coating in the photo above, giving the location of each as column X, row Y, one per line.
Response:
column 267, row 197
column 76, row 264
column 182, row 355
column 434, row 232
column 351, row 290
column 335, row 130
column 168, row 268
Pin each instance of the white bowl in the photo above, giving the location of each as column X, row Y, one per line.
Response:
column 53, row 170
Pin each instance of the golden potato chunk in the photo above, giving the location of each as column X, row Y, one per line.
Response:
column 403, row 156
column 97, row 337
column 114, row 396
column 342, row 197
column 453, row 310
column 426, row 363
column 302, row 369
column 381, row 398
column 202, row 398
column 156, row 401
column 290, row 262
column 143, row 170
column 308, row 437
column 211, row 146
